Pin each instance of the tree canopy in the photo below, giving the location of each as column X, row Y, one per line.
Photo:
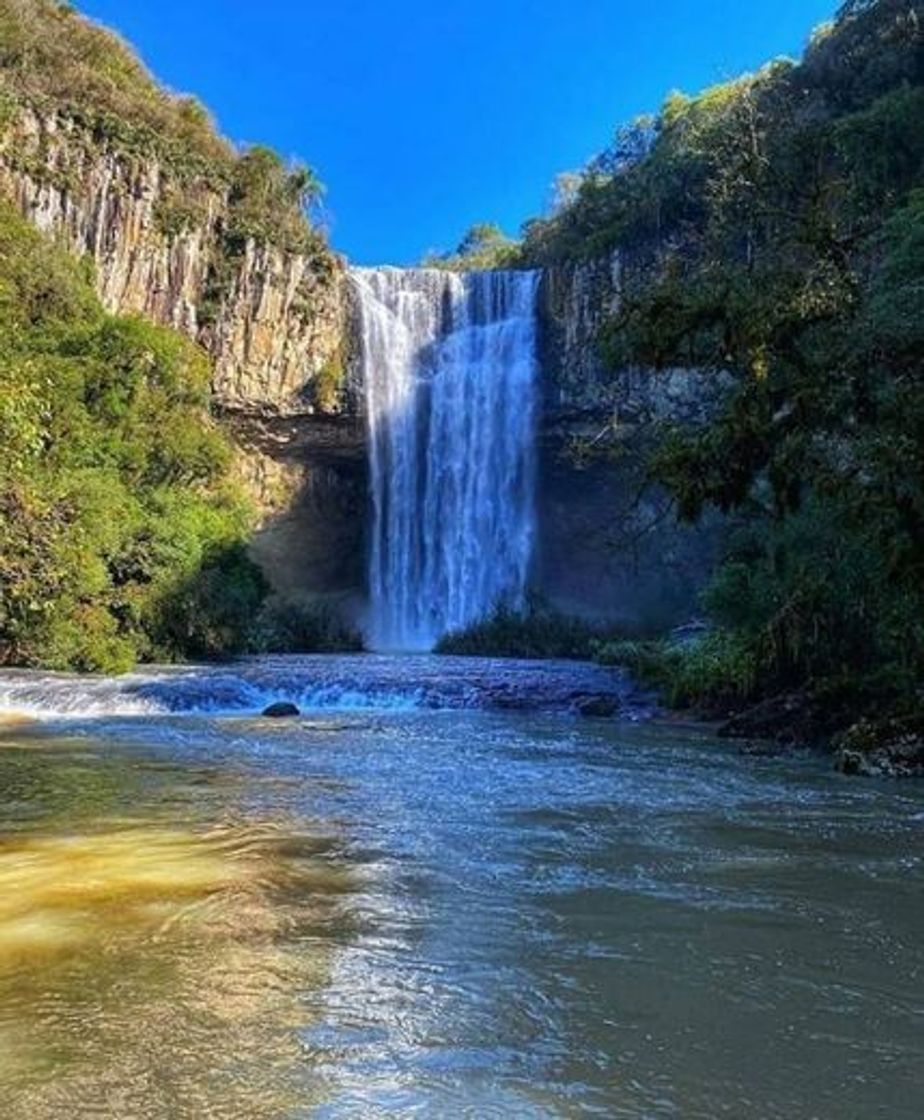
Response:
column 773, row 231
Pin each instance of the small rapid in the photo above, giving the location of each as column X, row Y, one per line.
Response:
column 321, row 683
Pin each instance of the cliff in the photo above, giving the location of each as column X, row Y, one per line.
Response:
column 277, row 326
column 270, row 319
column 181, row 228
column 609, row 543
column 576, row 298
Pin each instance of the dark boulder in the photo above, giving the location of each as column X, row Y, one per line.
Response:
column 792, row 718
column 599, row 706
column 282, row 709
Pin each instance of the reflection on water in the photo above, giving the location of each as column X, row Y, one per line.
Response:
column 150, row 968
column 449, row 915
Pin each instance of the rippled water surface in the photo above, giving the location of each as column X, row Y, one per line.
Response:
column 415, row 908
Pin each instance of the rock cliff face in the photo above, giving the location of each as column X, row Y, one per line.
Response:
column 272, row 321
column 279, row 328
column 274, row 325
column 575, row 300
column 608, row 541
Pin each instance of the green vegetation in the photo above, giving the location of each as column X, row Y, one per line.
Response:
column 715, row 673
column 293, row 625
column 484, row 246
column 55, row 61
column 122, row 532
column 53, row 58
column 535, row 633
column 773, row 228
column 121, row 535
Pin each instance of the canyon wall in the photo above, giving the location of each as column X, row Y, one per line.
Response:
column 609, row 543
column 274, row 324
column 272, row 321
column 279, row 328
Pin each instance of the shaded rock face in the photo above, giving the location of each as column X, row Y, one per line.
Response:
column 276, row 325
column 609, row 546
column 575, row 299
column 608, row 542
column 309, row 479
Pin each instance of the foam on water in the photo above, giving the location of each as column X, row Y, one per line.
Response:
column 350, row 683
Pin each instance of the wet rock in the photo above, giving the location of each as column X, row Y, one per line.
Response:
column 282, row 709
column 793, row 718
column 883, row 748
column 901, row 759
column 597, row 706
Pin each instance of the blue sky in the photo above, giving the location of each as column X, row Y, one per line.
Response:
column 424, row 116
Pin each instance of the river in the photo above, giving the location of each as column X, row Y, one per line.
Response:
column 441, row 893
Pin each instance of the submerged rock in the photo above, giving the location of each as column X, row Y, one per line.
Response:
column 282, row 709
column 599, row 706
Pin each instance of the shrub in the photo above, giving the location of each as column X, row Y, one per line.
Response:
column 121, row 531
column 287, row 625
column 535, row 633
column 714, row 673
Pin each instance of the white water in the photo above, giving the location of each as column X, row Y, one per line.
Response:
column 317, row 683
column 449, row 365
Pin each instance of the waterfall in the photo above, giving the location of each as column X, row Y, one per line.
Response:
column 449, row 367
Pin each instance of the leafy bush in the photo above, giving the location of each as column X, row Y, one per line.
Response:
column 715, row 673
column 484, row 246
column 120, row 529
column 268, row 201
column 287, row 625
column 534, row 633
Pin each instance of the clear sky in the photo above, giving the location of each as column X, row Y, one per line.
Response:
column 425, row 116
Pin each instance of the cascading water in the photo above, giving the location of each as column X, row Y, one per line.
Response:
column 449, row 364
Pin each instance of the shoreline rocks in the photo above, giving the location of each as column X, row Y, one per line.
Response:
column 892, row 748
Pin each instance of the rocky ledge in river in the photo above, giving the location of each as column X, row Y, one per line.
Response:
column 892, row 748
column 889, row 749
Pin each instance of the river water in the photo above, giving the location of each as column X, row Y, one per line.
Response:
column 453, row 898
